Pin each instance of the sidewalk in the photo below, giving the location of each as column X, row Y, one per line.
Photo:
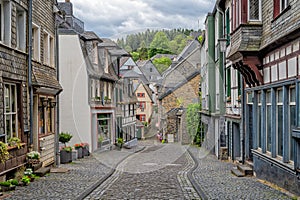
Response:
column 83, row 176
column 215, row 181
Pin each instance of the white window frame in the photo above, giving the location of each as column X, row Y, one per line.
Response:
column 5, row 22
column 36, row 43
column 11, row 113
column 21, row 28
column 260, row 11
column 291, row 103
column 46, row 48
column 286, row 4
column 278, row 104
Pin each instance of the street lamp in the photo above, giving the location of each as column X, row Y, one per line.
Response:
column 222, row 44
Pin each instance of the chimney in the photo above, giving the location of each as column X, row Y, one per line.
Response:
column 67, row 1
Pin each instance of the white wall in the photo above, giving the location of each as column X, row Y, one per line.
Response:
column 75, row 116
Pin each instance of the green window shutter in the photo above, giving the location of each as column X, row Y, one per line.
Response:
column 228, row 77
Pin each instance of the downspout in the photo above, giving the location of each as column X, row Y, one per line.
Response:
column 30, row 72
column 57, row 155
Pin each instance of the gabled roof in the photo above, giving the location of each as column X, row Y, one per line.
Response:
column 171, row 56
column 188, row 49
column 147, row 89
column 90, row 35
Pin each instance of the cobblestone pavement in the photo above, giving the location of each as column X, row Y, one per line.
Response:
column 215, row 180
column 158, row 172
column 82, row 176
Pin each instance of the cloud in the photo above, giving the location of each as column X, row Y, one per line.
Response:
column 113, row 18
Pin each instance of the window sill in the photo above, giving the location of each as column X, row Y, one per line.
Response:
column 281, row 13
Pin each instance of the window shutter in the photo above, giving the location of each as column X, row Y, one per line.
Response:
column 276, row 8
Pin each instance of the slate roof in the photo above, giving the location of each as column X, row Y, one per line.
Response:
column 90, row 35
column 171, row 56
column 44, row 79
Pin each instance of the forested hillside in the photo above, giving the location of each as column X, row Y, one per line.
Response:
column 145, row 45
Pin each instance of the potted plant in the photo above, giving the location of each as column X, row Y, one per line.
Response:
column 85, row 149
column 78, row 147
column 65, row 137
column 33, row 160
column 120, row 143
column 66, row 155
column 25, row 180
column 14, row 141
column 5, row 186
column 107, row 100
column 65, row 152
column 100, row 140
column 4, row 154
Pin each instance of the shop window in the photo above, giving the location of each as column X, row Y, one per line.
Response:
column 46, row 115
column 10, row 111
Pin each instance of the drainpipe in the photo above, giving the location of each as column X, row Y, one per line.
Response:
column 57, row 155
column 30, row 72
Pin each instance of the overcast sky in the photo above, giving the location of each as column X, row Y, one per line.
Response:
column 114, row 18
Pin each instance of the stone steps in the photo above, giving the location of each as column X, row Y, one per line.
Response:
column 42, row 171
column 242, row 170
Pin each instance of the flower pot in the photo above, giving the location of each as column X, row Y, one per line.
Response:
column 79, row 152
column 85, row 151
column 65, row 156
column 74, row 155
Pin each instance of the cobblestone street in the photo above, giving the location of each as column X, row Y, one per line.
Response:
column 149, row 171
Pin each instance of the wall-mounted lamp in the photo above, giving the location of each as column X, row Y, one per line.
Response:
column 222, row 44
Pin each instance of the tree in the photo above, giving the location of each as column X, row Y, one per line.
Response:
column 162, row 63
column 193, row 121
column 135, row 55
column 160, row 41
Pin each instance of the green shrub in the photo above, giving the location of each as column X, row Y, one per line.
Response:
column 65, row 137
column 14, row 182
column 5, row 183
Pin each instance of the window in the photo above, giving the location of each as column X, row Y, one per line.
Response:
column 151, row 69
column 48, row 49
column 259, row 120
column 292, row 119
column 283, row 4
column 279, row 6
column 268, row 121
column 254, row 10
column 228, row 83
column 5, row 19
column 142, row 118
column 142, row 106
column 35, row 42
column 95, row 53
column 236, row 13
column 46, row 115
column 279, row 131
column 140, row 94
column 10, row 111
column 21, row 28
column 227, row 20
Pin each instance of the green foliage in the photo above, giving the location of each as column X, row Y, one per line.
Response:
column 5, row 183
column 135, row 55
column 162, row 63
column 25, row 179
column 14, row 141
column 120, row 141
column 67, row 149
column 14, row 182
column 33, row 155
column 200, row 38
column 193, row 119
column 65, row 137
column 151, row 42
column 4, row 154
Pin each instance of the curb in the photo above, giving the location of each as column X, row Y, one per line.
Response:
column 98, row 183
column 191, row 178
